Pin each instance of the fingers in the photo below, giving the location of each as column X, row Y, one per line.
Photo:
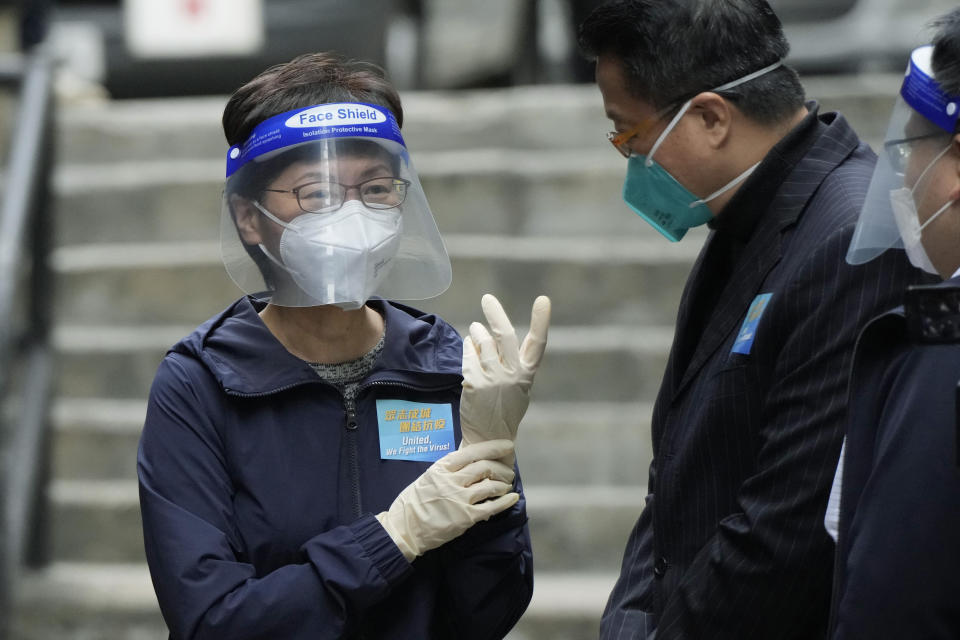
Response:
column 492, row 469
column 535, row 342
column 472, row 371
column 502, row 330
column 486, row 347
column 486, row 450
column 484, row 510
column 485, row 490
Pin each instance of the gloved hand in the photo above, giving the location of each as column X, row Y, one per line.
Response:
column 498, row 372
column 448, row 498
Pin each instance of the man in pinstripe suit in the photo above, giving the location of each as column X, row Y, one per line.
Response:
column 748, row 422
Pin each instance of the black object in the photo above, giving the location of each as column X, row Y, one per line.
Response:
column 933, row 317
column 956, row 421
column 933, row 314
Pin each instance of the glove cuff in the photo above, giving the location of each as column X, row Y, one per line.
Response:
column 406, row 549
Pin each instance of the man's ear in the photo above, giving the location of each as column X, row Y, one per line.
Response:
column 247, row 218
column 714, row 117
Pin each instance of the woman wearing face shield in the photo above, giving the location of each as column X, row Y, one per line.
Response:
column 895, row 504
column 318, row 461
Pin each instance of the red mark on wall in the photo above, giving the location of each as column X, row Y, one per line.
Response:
column 194, row 7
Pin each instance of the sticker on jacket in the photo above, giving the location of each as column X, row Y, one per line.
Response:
column 748, row 330
column 414, row 430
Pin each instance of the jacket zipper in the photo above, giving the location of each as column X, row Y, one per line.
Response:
column 353, row 457
column 351, row 425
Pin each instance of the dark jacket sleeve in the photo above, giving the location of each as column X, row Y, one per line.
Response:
column 488, row 573
column 903, row 542
column 766, row 571
column 204, row 586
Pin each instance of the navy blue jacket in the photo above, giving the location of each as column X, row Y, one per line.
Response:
column 898, row 552
column 257, row 493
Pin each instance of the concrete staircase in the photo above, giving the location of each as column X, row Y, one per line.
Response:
column 526, row 193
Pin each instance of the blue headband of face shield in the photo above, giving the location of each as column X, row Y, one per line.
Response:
column 659, row 198
column 924, row 94
column 324, row 121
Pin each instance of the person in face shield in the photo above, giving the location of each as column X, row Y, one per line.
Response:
column 895, row 506
column 318, row 461
column 748, row 422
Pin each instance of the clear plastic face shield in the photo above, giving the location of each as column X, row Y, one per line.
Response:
column 322, row 206
column 903, row 196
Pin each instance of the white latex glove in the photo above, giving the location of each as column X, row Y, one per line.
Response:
column 498, row 372
column 451, row 496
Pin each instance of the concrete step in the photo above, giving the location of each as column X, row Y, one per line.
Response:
column 87, row 601
column 582, row 364
column 95, row 521
column 490, row 191
column 95, row 438
column 590, row 443
column 565, row 606
column 572, row 528
column 592, row 280
column 76, row 601
column 529, row 117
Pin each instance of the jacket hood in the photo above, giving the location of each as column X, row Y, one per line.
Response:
column 246, row 359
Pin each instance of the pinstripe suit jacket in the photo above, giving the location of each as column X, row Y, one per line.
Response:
column 731, row 542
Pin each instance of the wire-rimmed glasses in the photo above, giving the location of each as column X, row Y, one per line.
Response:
column 899, row 151
column 621, row 141
column 384, row 192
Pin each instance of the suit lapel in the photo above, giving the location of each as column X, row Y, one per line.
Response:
column 695, row 283
column 764, row 249
column 761, row 253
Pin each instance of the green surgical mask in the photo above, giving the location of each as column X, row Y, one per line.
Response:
column 659, row 198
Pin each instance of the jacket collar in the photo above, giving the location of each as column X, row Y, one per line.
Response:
column 246, row 359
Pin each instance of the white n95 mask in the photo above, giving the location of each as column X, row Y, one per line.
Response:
column 908, row 221
column 911, row 231
column 341, row 257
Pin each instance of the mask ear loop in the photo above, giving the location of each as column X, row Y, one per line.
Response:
column 743, row 176
column 924, row 173
column 930, row 166
column 656, row 145
column 264, row 211
column 935, row 215
column 722, row 190
column 262, row 248
column 686, row 105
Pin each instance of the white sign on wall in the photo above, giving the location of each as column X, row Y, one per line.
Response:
column 190, row 28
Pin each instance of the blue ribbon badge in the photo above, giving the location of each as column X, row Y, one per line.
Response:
column 748, row 329
column 414, row 430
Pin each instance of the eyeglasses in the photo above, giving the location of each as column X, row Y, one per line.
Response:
column 621, row 141
column 899, row 151
column 327, row 197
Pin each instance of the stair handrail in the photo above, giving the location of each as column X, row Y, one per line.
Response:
column 25, row 238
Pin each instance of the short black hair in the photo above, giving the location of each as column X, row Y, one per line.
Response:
column 671, row 50
column 946, row 52
column 307, row 80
